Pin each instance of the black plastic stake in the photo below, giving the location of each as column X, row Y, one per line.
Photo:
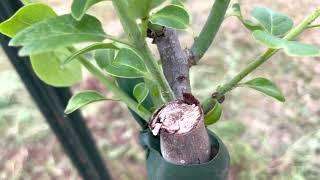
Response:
column 71, row 131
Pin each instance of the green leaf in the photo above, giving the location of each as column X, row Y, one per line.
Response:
column 214, row 114
column 251, row 25
column 140, row 92
column 235, row 10
column 127, row 85
column 268, row 40
column 275, row 23
column 177, row 2
column 81, row 99
column 57, row 32
column 47, row 67
column 293, row 48
column 25, row 17
column 171, row 16
column 265, row 86
column 139, row 9
column 105, row 59
column 79, row 7
column 103, row 56
column 88, row 49
column 156, row 3
column 127, row 57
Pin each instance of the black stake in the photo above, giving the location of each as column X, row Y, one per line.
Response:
column 71, row 131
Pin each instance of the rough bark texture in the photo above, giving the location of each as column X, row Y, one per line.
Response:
column 191, row 146
column 174, row 62
column 181, row 147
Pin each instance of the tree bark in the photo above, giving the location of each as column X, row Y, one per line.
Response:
column 174, row 62
column 179, row 145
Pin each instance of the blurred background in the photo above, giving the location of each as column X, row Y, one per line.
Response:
column 266, row 139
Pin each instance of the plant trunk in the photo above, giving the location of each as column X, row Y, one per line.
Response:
column 180, row 124
column 174, row 62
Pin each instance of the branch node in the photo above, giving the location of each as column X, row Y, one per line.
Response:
column 191, row 57
column 156, row 34
column 217, row 96
column 181, row 78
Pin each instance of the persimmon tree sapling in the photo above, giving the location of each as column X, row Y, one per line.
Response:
column 157, row 92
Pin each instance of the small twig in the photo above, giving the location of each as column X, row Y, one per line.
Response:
column 314, row 26
column 135, row 36
column 110, row 85
column 116, row 39
column 210, row 29
column 207, row 104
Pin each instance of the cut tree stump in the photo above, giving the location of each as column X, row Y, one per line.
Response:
column 183, row 136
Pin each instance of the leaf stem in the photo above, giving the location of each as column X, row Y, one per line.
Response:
column 129, row 25
column 210, row 29
column 132, row 104
column 116, row 39
column 132, row 30
column 314, row 26
column 303, row 25
column 247, row 70
column 293, row 33
column 156, row 73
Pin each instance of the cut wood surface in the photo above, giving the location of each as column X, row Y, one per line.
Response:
column 183, row 136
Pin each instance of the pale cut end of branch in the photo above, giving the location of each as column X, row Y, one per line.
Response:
column 177, row 118
column 183, row 136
